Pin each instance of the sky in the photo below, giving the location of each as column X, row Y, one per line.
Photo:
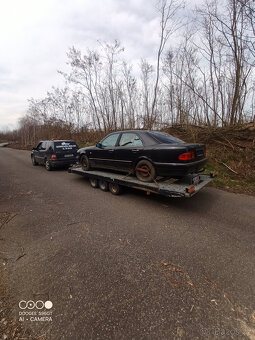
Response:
column 35, row 36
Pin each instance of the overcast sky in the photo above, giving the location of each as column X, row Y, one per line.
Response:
column 36, row 34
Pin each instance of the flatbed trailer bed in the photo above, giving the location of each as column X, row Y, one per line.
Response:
column 185, row 187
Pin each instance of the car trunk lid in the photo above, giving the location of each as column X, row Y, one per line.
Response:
column 198, row 149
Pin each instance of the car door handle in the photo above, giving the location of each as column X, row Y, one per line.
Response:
column 135, row 150
column 111, row 150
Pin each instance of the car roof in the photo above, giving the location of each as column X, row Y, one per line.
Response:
column 133, row 131
column 57, row 140
column 138, row 130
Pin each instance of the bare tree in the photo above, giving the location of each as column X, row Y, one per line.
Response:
column 225, row 31
column 169, row 23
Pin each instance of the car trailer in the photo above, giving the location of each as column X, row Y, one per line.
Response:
column 114, row 182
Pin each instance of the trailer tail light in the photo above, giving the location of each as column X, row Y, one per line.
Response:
column 53, row 156
column 190, row 190
column 186, row 156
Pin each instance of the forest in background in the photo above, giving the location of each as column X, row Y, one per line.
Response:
column 206, row 80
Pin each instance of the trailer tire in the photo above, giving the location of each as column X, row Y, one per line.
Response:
column 85, row 163
column 103, row 185
column 93, row 182
column 115, row 188
column 147, row 172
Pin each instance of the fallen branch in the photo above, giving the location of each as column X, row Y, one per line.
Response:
column 229, row 143
column 229, row 168
column 222, row 143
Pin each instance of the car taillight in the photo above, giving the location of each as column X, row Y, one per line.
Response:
column 186, row 156
column 53, row 156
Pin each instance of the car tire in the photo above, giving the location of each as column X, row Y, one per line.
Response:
column 103, row 185
column 48, row 166
column 145, row 171
column 93, row 182
column 115, row 188
column 34, row 161
column 85, row 163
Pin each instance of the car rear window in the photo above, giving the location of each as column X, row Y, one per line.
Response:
column 65, row 145
column 165, row 138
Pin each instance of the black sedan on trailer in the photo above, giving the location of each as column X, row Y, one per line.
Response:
column 147, row 154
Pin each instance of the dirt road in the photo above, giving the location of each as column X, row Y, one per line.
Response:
column 122, row 267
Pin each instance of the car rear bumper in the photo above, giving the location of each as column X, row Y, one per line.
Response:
column 179, row 169
column 63, row 162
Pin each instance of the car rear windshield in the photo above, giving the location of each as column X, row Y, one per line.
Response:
column 165, row 138
column 65, row 145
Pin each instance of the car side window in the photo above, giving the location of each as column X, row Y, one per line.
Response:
column 44, row 145
column 48, row 146
column 110, row 140
column 130, row 139
column 39, row 146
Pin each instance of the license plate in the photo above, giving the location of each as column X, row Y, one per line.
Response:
column 196, row 180
column 71, row 155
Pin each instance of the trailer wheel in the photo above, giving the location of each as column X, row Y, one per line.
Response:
column 145, row 171
column 114, row 188
column 85, row 163
column 93, row 182
column 103, row 185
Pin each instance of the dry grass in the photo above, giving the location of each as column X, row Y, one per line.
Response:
column 230, row 152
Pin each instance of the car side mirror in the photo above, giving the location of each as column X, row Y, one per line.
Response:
column 99, row 145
